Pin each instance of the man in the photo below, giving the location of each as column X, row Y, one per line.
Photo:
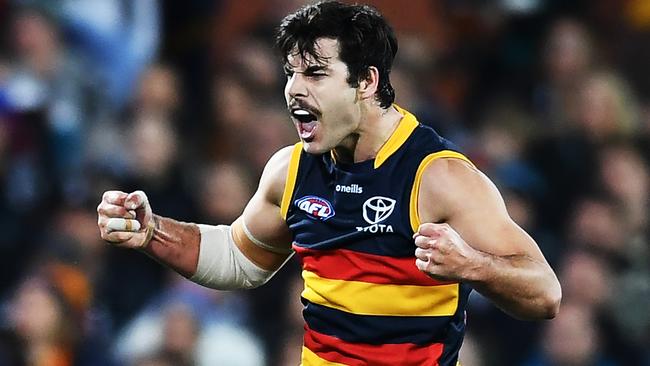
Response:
column 392, row 224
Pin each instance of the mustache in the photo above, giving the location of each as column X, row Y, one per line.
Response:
column 300, row 104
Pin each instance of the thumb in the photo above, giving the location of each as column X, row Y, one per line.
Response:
column 139, row 202
column 135, row 200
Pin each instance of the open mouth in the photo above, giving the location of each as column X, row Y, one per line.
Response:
column 307, row 121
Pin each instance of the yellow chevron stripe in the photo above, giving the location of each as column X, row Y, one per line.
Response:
column 366, row 298
column 290, row 182
column 309, row 358
column 401, row 133
column 415, row 190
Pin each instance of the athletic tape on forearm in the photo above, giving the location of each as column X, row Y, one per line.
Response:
column 222, row 265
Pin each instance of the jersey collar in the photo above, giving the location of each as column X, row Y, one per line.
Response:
column 406, row 125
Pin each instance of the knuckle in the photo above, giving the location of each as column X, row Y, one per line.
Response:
column 109, row 194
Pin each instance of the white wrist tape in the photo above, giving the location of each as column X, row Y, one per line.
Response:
column 222, row 265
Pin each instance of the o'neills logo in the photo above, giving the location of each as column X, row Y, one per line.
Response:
column 354, row 188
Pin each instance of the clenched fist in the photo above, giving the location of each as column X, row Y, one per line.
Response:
column 125, row 219
column 443, row 255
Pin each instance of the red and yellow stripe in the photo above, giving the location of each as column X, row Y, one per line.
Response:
column 320, row 349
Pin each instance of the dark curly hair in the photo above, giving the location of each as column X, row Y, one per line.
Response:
column 365, row 40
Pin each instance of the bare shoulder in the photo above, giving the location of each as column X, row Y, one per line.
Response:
column 450, row 185
column 275, row 174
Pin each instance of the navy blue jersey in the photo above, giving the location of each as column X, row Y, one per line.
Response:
column 365, row 301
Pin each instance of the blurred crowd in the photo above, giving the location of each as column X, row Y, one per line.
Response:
column 551, row 99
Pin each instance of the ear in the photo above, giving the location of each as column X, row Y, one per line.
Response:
column 368, row 87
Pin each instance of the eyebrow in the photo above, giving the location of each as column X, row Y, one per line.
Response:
column 315, row 68
column 309, row 69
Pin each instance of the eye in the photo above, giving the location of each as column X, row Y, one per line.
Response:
column 316, row 75
column 288, row 73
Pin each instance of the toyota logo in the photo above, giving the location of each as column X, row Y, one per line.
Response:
column 377, row 209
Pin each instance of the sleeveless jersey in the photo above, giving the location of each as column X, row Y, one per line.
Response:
column 365, row 301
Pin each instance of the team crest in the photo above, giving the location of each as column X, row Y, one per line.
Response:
column 316, row 207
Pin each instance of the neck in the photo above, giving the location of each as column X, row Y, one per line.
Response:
column 376, row 127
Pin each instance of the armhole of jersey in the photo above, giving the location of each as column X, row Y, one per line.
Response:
column 415, row 190
column 290, row 182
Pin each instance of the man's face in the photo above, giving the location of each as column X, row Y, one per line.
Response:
column 323, row 106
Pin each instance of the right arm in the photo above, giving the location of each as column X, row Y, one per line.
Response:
column 187, row 247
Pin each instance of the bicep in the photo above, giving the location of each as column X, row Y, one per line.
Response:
column 457, row 193
column 261, row 232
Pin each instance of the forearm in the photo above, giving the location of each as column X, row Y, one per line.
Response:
column 520, row 285
column 175, row 244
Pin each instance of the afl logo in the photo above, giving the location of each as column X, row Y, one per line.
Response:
column 377, row 209
column 316, row 207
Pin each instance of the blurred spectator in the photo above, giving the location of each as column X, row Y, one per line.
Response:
column 504, row 135
column 47, row 78
column 49, row 313
column 271, row 131
column 572, row 339
column 194, row 326
column 119, row 38
column 157, row 100
column 586, row 280
column 626, row 177
column 606, row 108
column 158, row 92
column 568, row 55
column 597, row 223
column 225, row 189
column 241, row 119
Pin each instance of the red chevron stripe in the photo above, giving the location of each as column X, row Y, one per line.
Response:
column 348, row 265
column 333, row 349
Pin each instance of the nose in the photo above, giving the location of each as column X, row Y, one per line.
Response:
column 296, row 86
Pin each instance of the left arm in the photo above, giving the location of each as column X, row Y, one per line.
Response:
column 468, row 236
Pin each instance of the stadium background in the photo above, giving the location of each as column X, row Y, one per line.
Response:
column 183, row 99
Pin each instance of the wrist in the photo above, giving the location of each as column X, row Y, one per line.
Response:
column 479, row 268
column 152, row 226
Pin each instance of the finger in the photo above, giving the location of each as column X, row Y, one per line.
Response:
column 118, row 237
column 110, row 210
column 433, row 230
column 422, row 254
column 114, row 197
column 422, row 265
column 120, row 224
column 135, row 200
column 425, row 242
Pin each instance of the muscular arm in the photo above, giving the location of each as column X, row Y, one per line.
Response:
column 481, row 244
column 178, row 245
